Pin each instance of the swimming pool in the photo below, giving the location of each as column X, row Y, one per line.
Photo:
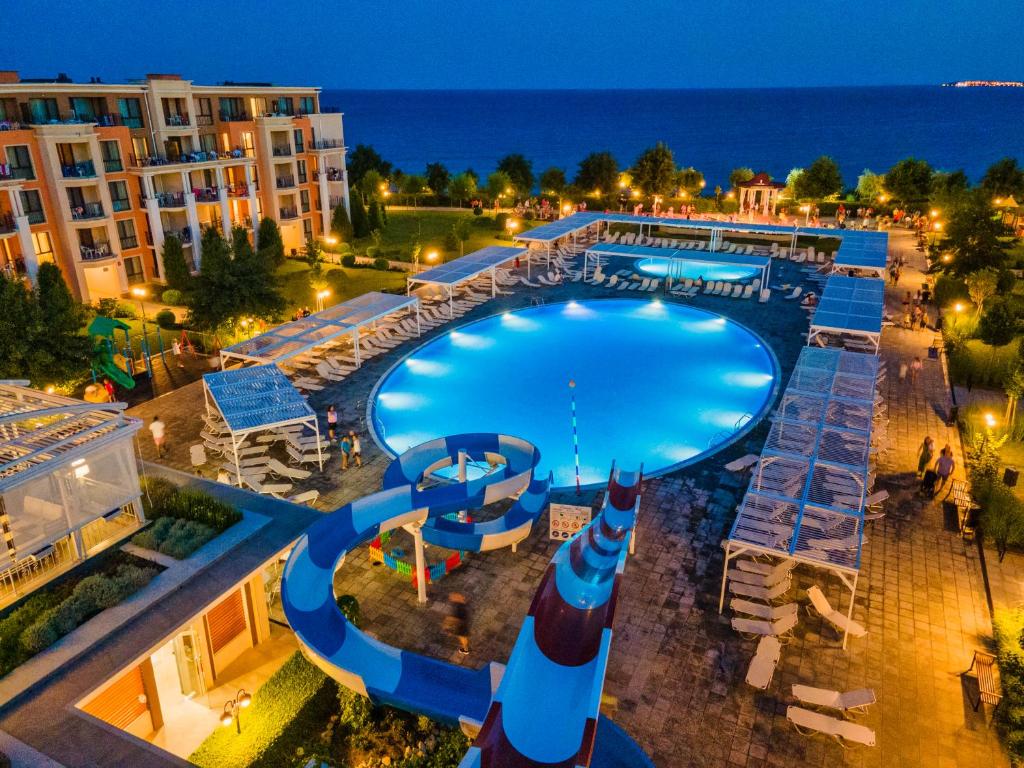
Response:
column 659, row 383
column 706, row 270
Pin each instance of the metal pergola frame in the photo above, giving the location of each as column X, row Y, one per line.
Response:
column 851, row 306
column 466, row 269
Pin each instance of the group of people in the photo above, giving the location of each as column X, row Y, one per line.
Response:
column 915, row 316
column 301, row 313
column 350, row 444
column 932, row 470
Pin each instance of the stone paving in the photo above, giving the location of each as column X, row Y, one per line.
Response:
column 677, row 669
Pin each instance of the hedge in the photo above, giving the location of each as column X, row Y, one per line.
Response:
column 162, row 498
column 287, row 705
column 174, row 537
column 1009, row 631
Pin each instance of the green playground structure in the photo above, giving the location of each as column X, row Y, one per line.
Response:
column 107, row 359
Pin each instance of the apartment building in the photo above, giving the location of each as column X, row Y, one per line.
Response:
column 95, row 176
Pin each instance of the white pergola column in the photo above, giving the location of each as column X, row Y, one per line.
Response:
column 225, row 210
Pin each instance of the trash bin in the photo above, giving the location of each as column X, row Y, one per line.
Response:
column 933, row 353
column 1010, row 475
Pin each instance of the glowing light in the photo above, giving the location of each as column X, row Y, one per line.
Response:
column 518, row 322
column 226, row 719
column 934, row 212
column 430, row 368
column 576, row 310
column 401, row 401
column 751, row 379
column 331, row 240
column 725, row 419
column 958, row 307
column 711, row 325
column 990, row 420
column 470, row 340
column 937, row 226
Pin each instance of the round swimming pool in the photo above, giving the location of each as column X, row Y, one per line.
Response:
column 705, row 270
column 658, row 383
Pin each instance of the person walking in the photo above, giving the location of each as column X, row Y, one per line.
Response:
column 346, row 449
column 925, row 454
column 332, row 421
column 176, row 351
column 915, row 369
column 357, row 448
column 158, row 428
column 944, row 469
column 456, row 623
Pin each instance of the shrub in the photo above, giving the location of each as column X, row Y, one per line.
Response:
column 477, row 210
column 12, row 653
column 165, row 318
column 500, row 221
column 380, row 262
column 1008, row 626
column 349, row 606
column 173, row 297
column 949, row 290
column 1002, row 516
column 114, row 308
column 348, row 260
column 162, row 498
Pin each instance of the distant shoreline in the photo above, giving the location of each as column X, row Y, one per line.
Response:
column 984, row 84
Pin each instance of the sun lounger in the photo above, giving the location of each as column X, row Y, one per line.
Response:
column 831, row 615
column 613, row 281
column 261, row 487
column 306, row 497
column 645, row 284
column 795, row 294
column 851, row 701
column 328, row 373
column 654, row 285
column 779, row 628
column 740, row 464
column 807, row 722
column 762, row 611
column 737, row 291
column 197, row 455
column 760, row 593
column 305, row 457
column 773, row 574
column 762, row 666
column 275, row 467
column 709, row 287
column 758, row 579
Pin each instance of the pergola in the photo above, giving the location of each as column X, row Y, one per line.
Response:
column 671, row 255
column 759, row 193
column 256, row 399
column 465, row 269
column 299, row 336
column 863, row 254
column 805, row 501
column 850, row 306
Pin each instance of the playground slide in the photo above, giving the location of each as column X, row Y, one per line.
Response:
column 113, row 371
column 546, row 709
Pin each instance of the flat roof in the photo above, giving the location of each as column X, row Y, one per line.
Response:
column 257, row 397
column 39, row 431
column 469, row 266
column 851, row 305
column 654, row 252
column 298, row 336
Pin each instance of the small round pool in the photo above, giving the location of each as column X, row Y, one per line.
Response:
column 659, row 383
column 705, row 270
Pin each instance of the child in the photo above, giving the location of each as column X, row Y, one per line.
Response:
column 346, row 447
column 357, row 448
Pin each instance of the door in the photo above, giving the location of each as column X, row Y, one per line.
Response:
column 173, row 148
column 190, row 665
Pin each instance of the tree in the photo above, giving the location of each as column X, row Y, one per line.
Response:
column 341, row 225
column 19, row 327
column 269, row 241
column 253, row 276
column 654, row 171
column 314, row 255
column 413, row 186
column 176, row 271
column 981, row 285
column 552, row 181
column 498, row 184
column 598, row 170
column 949, row 187
column 374, row 218
column 998, row 326
column 214, row 299
column 870, row 185
column 791, row 179
column 1004, row 178
column 59, row 344
column 360, row 221
column 460, row 233
column 362, row 159
column 738, row 175
column 371, row 185
column 819, row 180
column 462, row 187
column 909, row 179
column 690, row 180
column 520, row 171
column 973, row 236
column 1002, row 518
column 437, row 178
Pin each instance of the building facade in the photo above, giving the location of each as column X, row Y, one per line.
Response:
column 95, row 176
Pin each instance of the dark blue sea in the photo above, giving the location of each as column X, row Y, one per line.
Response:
column 713, row 130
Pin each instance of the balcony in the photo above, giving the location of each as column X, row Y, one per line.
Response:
column 35, row 217
column 87, row 211
column 237, row 190
column 285, row 182
column 96, row 252
column 129, row 242
column 327, row 144
column 8, row 172
column 151, row 161
column 206, row 195
column 333, row 174
column 131, row 122
column 175, row 120
column 289, row 213
column 84, row 170
column 7, row 224
column 120, row 204
column 184, row 234
column 234, row 117
column 204, row 120
column 113, row 166
column 282, row 151
column 170, row 199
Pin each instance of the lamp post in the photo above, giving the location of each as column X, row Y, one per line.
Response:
column 320, row 296
column 511, row 225
column 806, row 211
column 936, row 228
column 430, row 258
column 566, row 209
column 140, row 294
column 233, row 709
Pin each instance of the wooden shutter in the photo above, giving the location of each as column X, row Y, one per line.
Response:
column 226, row 620
column 120, row 703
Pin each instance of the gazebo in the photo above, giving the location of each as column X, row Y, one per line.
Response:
column 759, row 194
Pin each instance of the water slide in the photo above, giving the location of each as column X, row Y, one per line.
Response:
column 563, row 697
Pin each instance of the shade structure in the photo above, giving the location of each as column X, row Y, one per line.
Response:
column 299, row 336
column 805, row 501
column 466, row 268
column 862, row 252
column 254, row 399
column 672, row 255
column 850, row 306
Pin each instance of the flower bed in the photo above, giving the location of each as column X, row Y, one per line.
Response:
column 183, row 519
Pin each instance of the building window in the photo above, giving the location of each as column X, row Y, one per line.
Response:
column 204, row 112
column 111, row 152
column 133, row 269
column 43, row 111
column 87, row 110
column 131, row 112
column 283, row 106
column 304, row 198
column 43, row 246
column 119, row 196
column 208, row 142
column 307, row 229
column 248, row 147
column 303, row 178
column 306, row 105
column 20, row 161
column 299, row 146
column 175, row 112
column 231, row 109
column 140, row 146
column 126, row 234
column 33, row 205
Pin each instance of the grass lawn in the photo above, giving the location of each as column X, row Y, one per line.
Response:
column 344, row 283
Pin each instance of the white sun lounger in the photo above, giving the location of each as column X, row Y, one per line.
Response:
column 329, row 373
column 808, row 722
column 742, row 463
column 831, row 615
column 261, row 487
column 762, row 611
column 762, row 666
column 275, row 467
column 795, row 294
column 773, row 574
column 748, row 291
column 757, row 579
column 737, row 291
column 760, row 593
column 850, row 701
column 778, row 628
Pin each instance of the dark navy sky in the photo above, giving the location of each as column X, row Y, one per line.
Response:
column 521, row 44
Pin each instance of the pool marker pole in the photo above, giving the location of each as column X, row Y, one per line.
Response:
column 575, row 436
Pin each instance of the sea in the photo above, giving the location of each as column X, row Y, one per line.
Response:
column 772, row 130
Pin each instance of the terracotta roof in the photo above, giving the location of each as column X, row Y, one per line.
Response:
column 761, row 180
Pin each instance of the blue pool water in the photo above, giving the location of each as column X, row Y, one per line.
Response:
column 704, row 270
column 658, row 383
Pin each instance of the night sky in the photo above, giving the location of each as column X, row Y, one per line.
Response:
column 525, row 44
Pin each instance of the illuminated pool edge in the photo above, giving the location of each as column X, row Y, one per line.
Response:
column 754, row 420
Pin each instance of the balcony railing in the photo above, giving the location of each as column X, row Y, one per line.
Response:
column 333, row 174
column 184, row 234
column 129, row 242
column 150, row 161
column 121, row 204
column 113, row 166
column 206, row 194
column 131, row 122
column 10, row 125
column 177, row 121
column 170, row 199
column 82, row 170
column 334, row 202
column 234, row 117
column 12, row 172
column 237, row 190
column 285, row 182
column 204, row 120
column 289, row 213
column 327, row 144
column 7, row 224
column 87, row 211
column 35, row 217
column 96, row 251
column 282, row 151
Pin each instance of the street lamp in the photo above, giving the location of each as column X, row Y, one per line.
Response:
column 320, row 296
column 140, row 294
column 511, row 225
column 331, row 240
column 567, row 209
column 936, row 228
column 233, row 709
column 806, row 210
column 431, row 256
